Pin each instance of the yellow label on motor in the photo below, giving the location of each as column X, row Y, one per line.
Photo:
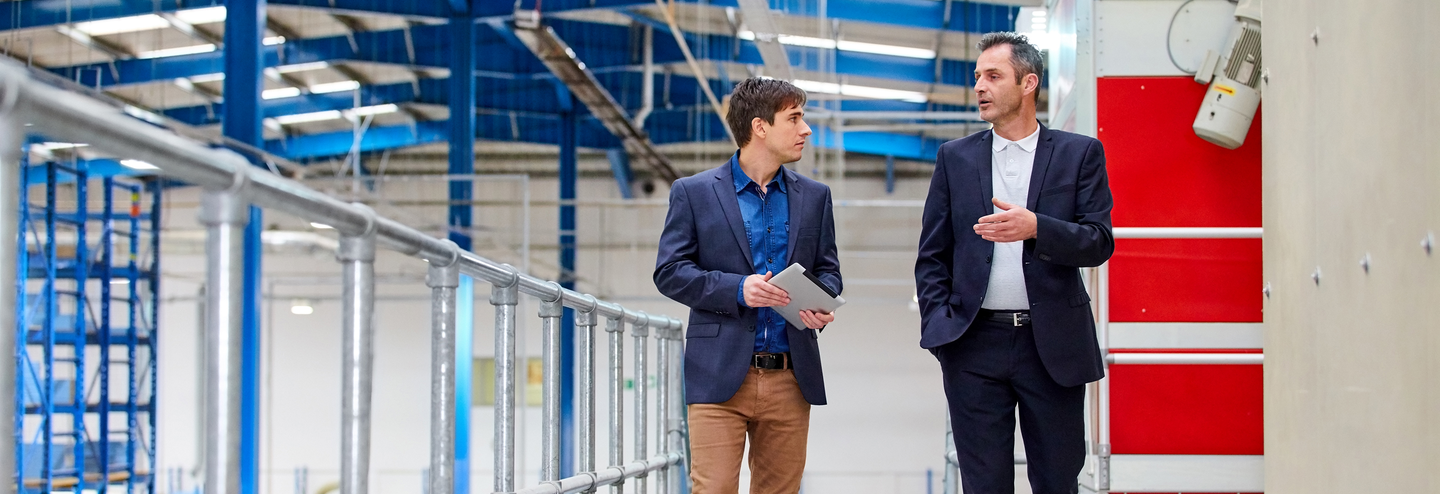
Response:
column 1225, row 89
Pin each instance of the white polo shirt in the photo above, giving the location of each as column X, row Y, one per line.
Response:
column 1010, row 166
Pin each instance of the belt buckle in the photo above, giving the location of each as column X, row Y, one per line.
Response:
column 1015, row 317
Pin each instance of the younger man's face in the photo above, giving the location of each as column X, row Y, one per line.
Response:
column 786, row 138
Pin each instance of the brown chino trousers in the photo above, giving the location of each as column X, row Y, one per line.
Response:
column 770, row 409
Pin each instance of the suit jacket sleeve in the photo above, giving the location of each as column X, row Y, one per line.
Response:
column 677, row 272
column 1085, row 240
column 937, row 245
column 827, row 264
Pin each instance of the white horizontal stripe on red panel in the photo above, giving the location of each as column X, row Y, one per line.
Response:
column 1186, row 335
column 1187, row 473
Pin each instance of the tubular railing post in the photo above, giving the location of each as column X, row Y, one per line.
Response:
column 585, row 321
column 504, row 297
column 550, row 313
column 224, row 213
column 662, row 404
column 357, row 257
column 952, row 470
column 443, row 282
column 10, row 278
column 641, row 332
column 615, row 329
column 676, row 434
column 1102, row 402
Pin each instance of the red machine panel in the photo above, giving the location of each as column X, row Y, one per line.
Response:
column 1186, row 280
column 1163, row 175
column 1187, row 409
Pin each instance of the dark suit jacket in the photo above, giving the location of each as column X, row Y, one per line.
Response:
column 705, row 255
column 1070, row 196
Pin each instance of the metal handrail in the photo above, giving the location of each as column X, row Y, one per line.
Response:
column 1185, row 358
column 231, row 185
column 1187, row 232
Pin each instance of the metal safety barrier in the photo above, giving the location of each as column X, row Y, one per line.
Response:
column 231, row 185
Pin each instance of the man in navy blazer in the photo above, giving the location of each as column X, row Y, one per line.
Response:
column 729, row 229
column 1011, row 216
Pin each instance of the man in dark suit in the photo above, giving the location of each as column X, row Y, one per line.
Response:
column 728, row 231
column 1011, row 216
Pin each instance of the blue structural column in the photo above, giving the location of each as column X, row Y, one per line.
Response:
column 462, row 162
column 569, row 123
column 241, row 121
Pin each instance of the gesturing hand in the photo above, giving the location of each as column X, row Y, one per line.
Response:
column 1012, row 224
column 760, row 293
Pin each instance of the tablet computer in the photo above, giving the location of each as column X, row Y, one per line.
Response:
column 806, row 293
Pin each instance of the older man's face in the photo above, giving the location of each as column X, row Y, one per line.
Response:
column 996, row 87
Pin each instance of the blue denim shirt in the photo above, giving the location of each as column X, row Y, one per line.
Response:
column 767, row 226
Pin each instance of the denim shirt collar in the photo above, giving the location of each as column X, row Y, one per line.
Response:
column 742, row 180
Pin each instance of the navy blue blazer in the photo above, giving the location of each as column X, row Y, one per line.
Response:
column 705, row 255
column 1070, row 196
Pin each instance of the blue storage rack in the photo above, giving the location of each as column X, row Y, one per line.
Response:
column 78, row 346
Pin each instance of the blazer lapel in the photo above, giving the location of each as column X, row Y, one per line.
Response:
column 981, row 156
column 796, row 197
column 730, row 205
column 1037, row 172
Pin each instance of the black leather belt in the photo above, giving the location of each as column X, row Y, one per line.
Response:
column 775, row 361
column 1010, row 317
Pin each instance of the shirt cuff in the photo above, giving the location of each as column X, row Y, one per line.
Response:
column 740, row 294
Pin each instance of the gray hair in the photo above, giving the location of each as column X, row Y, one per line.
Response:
column 1024, row 57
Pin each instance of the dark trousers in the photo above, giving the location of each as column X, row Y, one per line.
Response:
column 990, row 370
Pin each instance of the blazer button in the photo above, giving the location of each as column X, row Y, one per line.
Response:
column 987, row 259
column 750, row 328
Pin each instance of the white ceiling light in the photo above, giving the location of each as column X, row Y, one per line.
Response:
column 862, row 91
column 277, row 93
column 898, row 51
column 52, row 146
column 301, row 67
column 138, row 165
column 216, row 77
column 273, row 40
column 335, row 87
column 374, row 110
column 307, row 117
column 175, row 52
column 301, row 307
column 321, row 226
column 207, row 15
column 1038, row 30
column 842, row 45
column 321, row 116
column 122, row 25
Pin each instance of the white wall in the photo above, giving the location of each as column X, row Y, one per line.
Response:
column 1351, row 401
column 881, row 432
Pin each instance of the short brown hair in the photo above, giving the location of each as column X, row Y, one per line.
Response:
column 761, row 97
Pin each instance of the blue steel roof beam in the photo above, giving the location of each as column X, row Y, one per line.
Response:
column 426, row 10
column 386, row 47
column 603, row 50
column 24, row 14
column 675, row 125
column 975, row 17
column 501, row 94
